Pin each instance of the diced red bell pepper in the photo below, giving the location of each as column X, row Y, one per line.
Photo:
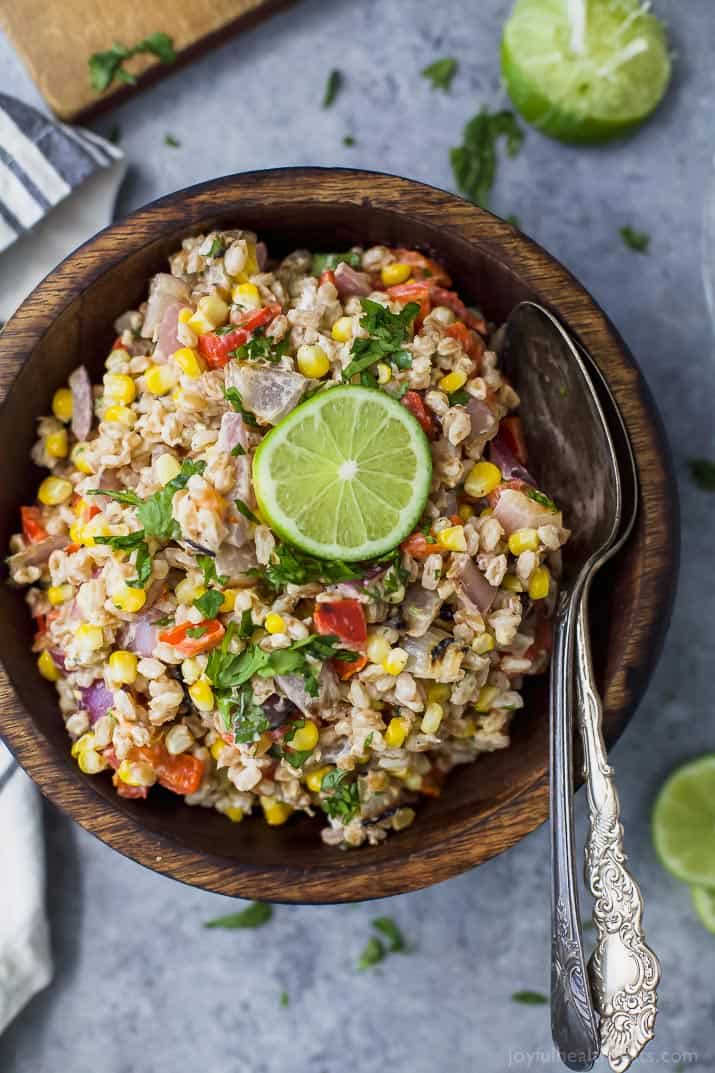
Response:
column 511, row 431
column 32, row 527
column 344, row 619
column 412, row 292
column 257, row 318
column 181, row 774
column 211, row 633
column 328, row 276
column 423, row 267
column 419, row 547
column 215, row 348
column 414, row 402
column 346, row 668
column 472, row 343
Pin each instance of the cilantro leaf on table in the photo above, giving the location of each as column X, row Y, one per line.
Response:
column 703, row 473
column 253, row 916
column 635, row 240
column 333, row 85
column 387, row 333
column 373, row 953
column 105, row 66
column 441, row 72
column 529, row 998
column 474, row 163
column 172, row 141
column 392, row 933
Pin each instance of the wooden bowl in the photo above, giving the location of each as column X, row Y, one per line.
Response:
column 485, row 807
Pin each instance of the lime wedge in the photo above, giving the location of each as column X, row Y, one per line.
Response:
column 584, row 70
column 684, row 822
column 704, row 902
column 345, row 475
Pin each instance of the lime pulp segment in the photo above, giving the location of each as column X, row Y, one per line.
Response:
column 346, row 475
column 684, row 822
column 584, row 70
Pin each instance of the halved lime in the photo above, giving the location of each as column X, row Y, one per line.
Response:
column 704, row 902
column 584, row 70
column 345, row 475
column 684, row 822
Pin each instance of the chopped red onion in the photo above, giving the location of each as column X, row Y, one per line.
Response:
column 501, row 456
column 514, row 510
column 269, row 393
column 81, row 389
column 484, row 423
column 232, row 433
column 349, row 282
column 141, row 635
column 474, row 585
column 35, row 554
column 292, row 686
column 97, row 700
column 164, row 291
column 420, row 609
column 168, row 339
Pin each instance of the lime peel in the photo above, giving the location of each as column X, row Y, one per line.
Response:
column 684, row 822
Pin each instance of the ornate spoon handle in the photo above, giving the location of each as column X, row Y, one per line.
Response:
column 624, row 971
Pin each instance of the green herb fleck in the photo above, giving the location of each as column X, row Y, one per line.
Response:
column 196, row 631
column 387, row 332
column 333, row 85
column 541, row 499
column 233, row 396
column 260, row 348
column 344, row 800
column 105, row 66
column 635, row 240
column 328, row 262
column 245, row 510
column 293, row 567
column 209, row 603
column 513, row 220
column 253, row 916
column 703, row 473
column 284, row 999
column 348, row 140
column 395, row 938
column 530, row 998
column 441, row 72
column 373, row 953
column 367, row 744
column 563, row 390
column 171, row 141
column 165, row 620
column 459, row 398
column 246, row 627
column 474, row 163
column 207, row 565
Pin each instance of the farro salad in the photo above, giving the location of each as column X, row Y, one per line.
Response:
column 221, row 618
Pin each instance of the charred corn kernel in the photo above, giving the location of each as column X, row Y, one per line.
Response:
column 452, row 381
column 247, row 296
column 523, row 540
column 482, row 644
column 79, row 460
column 53, row 491
column 166, row 468
column 434, row 713
column 121, row 414
column 395, row 273
column 56, row 444
column 178, row 739
column 47, row 666
column 91, row 762
column 90, row 638
column 384, row 372
column 378, row 648
column 395, row 661
column 119, row 388
column 229, row 600
column 275, row 812
column 59, row 594
column 305, row 737
column 465, row 512
column 136, row 773
column 214, row 309
column 511, row 583
column 482, row 479
column 129, row 599
column 123, row 667
column 234, row 813
column 342, row 330
column 486, row 697
column 312, row 361
column 275, row 623
column 396, row 732
column 202, row 695
column 539, row 583
column 191, row 669
column 185, row 315
column 452, row 538
column 217, row 748
column 437, row 692
column 314, row 778
column 86, row 741
column 160, row 379
column 62, row 404
column 188, row 361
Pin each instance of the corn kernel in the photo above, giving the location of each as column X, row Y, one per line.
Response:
column 56, row 444
column 213, row 307
column 483, row 643
column 438, row 692
column 86, row 741
column 395, row 273
column 86, row 534
column 539, row 583
column 314, row 778
column 200, row 324
column 123, row 667
column 452, row 538
column 53, row 491
column 523, row 540
column 47, row 666
column 452, row 381
column 160, row 379
column 120, row 388
column 78, row 459
column 511, row 583
column 202, row 695
column 486, row 698
column 434, row 713
column 122, row 415
column 188, row 361
column 129, row 599
column 342, row 330
column 234, row 813
column 185, row 315
column 62, row 404
column 90, row 638
column 275, row 812
column 378, row 648
column 396, row 732
column 312, row 361
column 305, row 738
column 229, row 600
column 217, row 748
column 136, row 773
column 91, row 762
column 60, row 594
column 76, row 533
column 465, row 512
column 166, row 468
column 395, row 662
column 247, row 296
column 274, row 623
column 482, row 479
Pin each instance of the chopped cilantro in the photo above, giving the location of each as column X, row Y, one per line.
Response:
column 165, row 620
column 207, row 564
column 373, row 953
column 105, row 66
column 367, row 744
column 530, row 998
column 635, row 240
column 333, row 85
column 210, row 603
column 246, row 627
column 387, row 332
column 246, row 511
column 392, row 933
column 171, row 141
column 260, row 348
column 296, row 757
column 343, row 801
column 196, row 631
column 218, row 248
column 474, row 163
column 703, row 473
column 129, row 542
column 237, row 451
column 233, row 396
column 541, row 499
column 441, row 72
column 253, row 916
column 246, row 718
column 293, row 567
column 327, row 262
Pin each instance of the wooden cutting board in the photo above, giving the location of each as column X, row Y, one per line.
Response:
column 55, row 38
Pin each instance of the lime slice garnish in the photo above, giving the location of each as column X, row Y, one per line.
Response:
column 584, row 70
column 704, row 902
column 346, row 475
column 684, row 822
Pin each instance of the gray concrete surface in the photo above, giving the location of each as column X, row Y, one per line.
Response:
column 140, row 986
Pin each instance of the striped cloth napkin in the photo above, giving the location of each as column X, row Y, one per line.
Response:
column 58, row 185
